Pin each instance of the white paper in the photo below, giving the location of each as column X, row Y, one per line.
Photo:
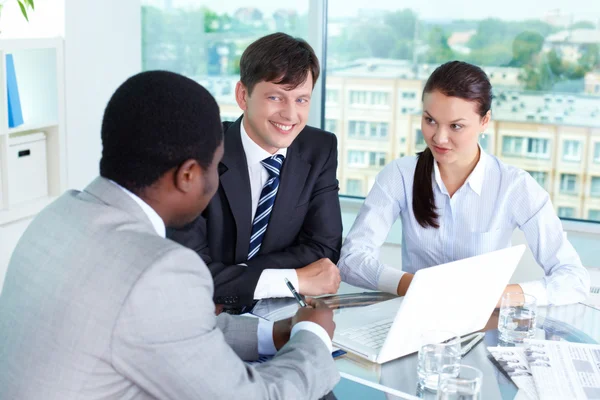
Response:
column 514, row 362
column 563, row 370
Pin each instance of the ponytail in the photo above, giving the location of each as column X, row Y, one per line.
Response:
column 423, row 200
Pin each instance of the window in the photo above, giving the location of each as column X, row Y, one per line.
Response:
column 512, row 146
column 515, row 146
column 367, row 130
column 538, row 148
column 381, row 53
column 357, row 158
column 376, row 159
column 540, row 177
column 595, row 187
column 357, row 129
column 358, row 97
column 380, row 98
column 354, row 187
column 594, row 215
column 568, row 183
column 572, row 150
column 331, row 125
column 484, row 142
column 374, row 98
column 419, row 139
column 332, row 96
column 566, row 212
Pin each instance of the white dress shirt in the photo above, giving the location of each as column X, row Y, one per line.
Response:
column 265, row 328
column 479, row 218
column 271, row 282
column 266, row 346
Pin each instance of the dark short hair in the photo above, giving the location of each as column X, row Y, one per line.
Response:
column 453, row 79
column 154, row 122
column 278, row 58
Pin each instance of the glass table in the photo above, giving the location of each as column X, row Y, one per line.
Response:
column 574, row 323
column 397, row 379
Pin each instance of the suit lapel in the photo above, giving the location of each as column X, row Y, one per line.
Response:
column 293, row 177
column 236, row 186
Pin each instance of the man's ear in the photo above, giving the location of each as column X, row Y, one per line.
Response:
column 187, row 176
column 241, row 95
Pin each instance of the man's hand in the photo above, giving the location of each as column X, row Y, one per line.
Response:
column 318, row 278
column 404, row 283
column 318, row 313
column 281, row 332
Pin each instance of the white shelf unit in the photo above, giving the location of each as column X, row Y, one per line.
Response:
column 39, row 68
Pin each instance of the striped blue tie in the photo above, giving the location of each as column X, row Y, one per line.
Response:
column 265, row 204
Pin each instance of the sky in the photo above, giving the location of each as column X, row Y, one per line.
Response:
column 427, row 9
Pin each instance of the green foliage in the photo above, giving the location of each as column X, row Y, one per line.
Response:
column 24, row 5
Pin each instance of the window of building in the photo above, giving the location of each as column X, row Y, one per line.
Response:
column 597, row 152
column 354, row 187
column 594, row 215
column 572, row 150
column 566, row 212
column 380, row 98
column 484, row 142
column 540, row 177
column 376, row 159
column 358, row 97
column 367, row 130
column 332, row 96
column 513, row 146
column 409, row 95
column 568, row 183
column 357, row 158
column 538, row 148
column 331, row 125
column 595, row 186
column 419, row 139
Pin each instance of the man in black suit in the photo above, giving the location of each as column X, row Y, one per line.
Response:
column 276, row 214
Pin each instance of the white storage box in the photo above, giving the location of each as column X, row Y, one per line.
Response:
column 27, row 168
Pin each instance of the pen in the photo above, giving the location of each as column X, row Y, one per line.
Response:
column 296, row 295
column 476, row 339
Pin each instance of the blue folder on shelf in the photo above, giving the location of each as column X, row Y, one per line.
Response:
column 15, row 115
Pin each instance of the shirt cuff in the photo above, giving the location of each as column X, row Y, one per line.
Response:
column 272, row 283
column 266, row 346
column 314, row 328
column 389, row 279
column 536, row 289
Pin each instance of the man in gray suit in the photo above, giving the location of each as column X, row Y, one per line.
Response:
column 98, row 304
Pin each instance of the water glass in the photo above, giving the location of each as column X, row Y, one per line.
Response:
column 517, row 317
column 466, row 385
column 438, row 348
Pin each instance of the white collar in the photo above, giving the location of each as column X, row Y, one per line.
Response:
column 155, row 219
column 475, row 179
column 254, row 153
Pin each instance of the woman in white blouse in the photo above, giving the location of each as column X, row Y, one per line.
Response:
column 456, row 201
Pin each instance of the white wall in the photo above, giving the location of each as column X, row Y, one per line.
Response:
column 103, row 47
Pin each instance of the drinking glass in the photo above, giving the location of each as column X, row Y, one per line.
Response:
column 438, row 348
column 466, row 385
column 517, row 317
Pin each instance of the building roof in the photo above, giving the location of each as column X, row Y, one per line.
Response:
column 575, row 36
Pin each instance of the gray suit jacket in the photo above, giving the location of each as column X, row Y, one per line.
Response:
column 97, row 306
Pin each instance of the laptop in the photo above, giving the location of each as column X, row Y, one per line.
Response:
column 458, row 296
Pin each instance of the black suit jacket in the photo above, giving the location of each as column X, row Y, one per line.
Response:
column 305, row 224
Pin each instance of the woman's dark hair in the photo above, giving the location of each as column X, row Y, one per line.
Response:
column 453, row 79
column 278, row 58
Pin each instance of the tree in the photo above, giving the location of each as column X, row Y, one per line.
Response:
column 439, row 51
column 526, row 48
column 583, row 25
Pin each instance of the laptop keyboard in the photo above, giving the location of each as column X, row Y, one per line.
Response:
column 372, row 335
